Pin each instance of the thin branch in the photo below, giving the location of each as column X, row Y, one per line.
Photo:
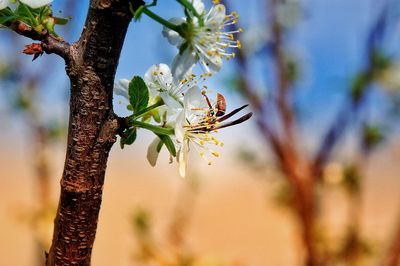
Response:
column 342, row 120
column 50, row 43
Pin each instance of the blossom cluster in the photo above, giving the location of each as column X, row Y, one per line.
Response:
column 175, row 98
column 36, row 14
column 30, row 3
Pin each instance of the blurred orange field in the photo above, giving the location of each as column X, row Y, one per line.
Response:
column 234, row 216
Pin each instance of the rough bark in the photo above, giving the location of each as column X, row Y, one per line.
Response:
column 91, row 66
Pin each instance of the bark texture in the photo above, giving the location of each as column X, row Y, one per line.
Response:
column 91, row 66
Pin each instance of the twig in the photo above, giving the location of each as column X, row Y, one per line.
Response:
column 50, row 43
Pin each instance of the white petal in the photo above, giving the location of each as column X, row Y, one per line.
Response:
column 173, row 37
column 194, row 98
column 214, row 63
column 183, row 64
column 154, row 80
column 121, row 88
column 36, row 3
column 198, row 6
column 183, row 158
column 216, row 16
column 195, row 105
column 152, row 153
column 170, row 101
column 180, row 130
column 4, row 4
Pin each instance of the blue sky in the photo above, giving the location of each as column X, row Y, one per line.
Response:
column 328, row 40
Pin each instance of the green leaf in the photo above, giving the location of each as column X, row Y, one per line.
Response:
column 168, row 143
column 6, row 12
column 156, row 115
column 130, row 137
column 5, row 19
column 138, row 94
column 159, row 146
column 25, row 13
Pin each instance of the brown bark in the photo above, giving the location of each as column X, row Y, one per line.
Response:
column 91, row 67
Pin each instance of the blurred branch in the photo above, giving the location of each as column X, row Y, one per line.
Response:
column 284, row 84
column 358, row 91
column 392, row 257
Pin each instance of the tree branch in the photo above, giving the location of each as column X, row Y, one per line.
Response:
column 50, row 43
column 93, row 126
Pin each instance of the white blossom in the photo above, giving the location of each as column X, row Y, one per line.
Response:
column 203, row 40
column 36, row 3
column 194, row 127
column 4, row 4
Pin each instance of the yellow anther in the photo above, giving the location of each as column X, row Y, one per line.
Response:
column 201, row 142
column 233, row 55
column 221, row 144
column 201, row 154
column 155, row 73
column 209, row 163
column 241, row 30
column 239, row 44
column 215, row 2
column 216, row 154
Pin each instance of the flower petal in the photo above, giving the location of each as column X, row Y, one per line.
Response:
column 213, row 62
column 216, row 16
column 36, row 3
column 173, row 37
column 170, row 101
column 179, row 127
column 183, row 158
column 152, row 153
column 4, row 4
column 198, row 6
column 183, row 64
column 158, row 76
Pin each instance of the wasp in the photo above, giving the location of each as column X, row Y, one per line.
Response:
column 217, row 114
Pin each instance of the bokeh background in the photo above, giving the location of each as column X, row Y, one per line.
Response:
column 334, row 65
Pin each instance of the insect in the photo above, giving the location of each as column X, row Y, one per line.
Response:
column 216, row 114
column 218, row 109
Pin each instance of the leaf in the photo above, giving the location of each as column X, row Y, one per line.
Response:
column 159, row 146
column 130, row 137
column 156, row 115
column 6, row 19
column 168, row 143
column 138, row 94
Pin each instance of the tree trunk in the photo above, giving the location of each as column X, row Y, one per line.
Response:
column 91, row 66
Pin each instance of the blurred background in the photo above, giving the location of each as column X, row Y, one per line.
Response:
column 312, row 179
